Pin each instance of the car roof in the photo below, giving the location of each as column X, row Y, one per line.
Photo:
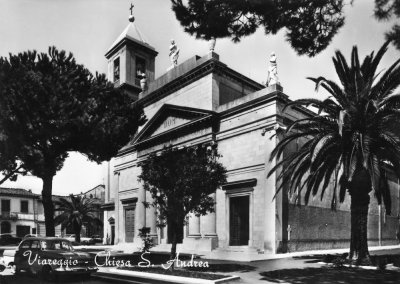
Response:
column 46, row 238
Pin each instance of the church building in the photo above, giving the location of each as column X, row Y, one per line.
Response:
column 202, row 100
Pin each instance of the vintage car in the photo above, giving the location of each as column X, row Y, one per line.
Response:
column 50, row 257
column 9, row 239
column 84, row 240
column 31, row 236
column 96, row 239
column 7, row 259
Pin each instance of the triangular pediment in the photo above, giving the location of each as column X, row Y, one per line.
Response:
column 170, row 122
column 172, row 118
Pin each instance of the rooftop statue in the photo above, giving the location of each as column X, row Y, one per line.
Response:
column 272, row 71
column 173, row 53
column 211, row 44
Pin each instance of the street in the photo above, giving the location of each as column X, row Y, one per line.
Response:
column 302, row 268
column 8, row 277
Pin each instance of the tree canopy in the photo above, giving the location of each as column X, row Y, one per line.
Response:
column 386, row 10
column 180, row 182
column 352, row 144
column 310, row 25
column 51, row 105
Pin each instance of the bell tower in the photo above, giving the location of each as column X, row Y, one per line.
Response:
column 130, row 58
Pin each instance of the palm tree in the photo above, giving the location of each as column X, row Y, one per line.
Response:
column 353, row 141
column 75, row 211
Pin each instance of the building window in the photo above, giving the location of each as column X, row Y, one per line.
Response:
column 140, row 69
column 116, row 69
column 24, row 206
column 5, row 227
column 5, row 205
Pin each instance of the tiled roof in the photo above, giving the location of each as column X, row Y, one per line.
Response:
column 132, row 33
column 94, row 188
column 4, row 191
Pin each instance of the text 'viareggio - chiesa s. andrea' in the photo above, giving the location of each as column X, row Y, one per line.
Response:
column 202, row 100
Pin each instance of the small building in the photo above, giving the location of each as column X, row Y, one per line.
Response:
column 22, row 212
column 18, row 211
column 202, row 100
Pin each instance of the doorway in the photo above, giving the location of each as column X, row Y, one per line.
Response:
column 239, row 220
column 23, row 231
column 112, row 234
column 129, row 224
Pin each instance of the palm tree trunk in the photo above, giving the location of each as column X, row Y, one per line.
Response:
column 359, row 229
column 48, row 204
column 77, row 231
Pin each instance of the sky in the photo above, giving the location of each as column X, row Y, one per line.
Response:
column 87, row 28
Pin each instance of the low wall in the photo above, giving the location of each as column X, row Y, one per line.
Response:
column 314, row 228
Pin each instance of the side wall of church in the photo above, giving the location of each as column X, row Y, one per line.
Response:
column 316, row 226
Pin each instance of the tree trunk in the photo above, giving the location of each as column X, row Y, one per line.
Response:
column 173, row 243
column 173, row 248
column 77, row 231
column 48, row 205
column 359, row 221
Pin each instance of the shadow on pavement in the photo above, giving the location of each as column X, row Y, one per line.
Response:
column 224, row 267
column 25, row 278
column 331, row 275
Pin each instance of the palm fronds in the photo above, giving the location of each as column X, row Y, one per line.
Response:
column 76, row 211
column 355, row 130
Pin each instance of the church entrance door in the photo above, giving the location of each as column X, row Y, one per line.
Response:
column 239, row 220
column 129, row 224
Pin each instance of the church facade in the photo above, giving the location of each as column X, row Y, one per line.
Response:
column 201, row 101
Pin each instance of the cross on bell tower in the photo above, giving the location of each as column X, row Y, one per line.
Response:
column 131, row 17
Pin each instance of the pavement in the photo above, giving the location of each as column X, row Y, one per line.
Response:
column 308, row 261
column 295, row 261
column 304, row 267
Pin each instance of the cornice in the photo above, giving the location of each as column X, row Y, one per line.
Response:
column 240, row 184
column 130, row 42
column 174, row 132
column 108, row 206
column 275, row 95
